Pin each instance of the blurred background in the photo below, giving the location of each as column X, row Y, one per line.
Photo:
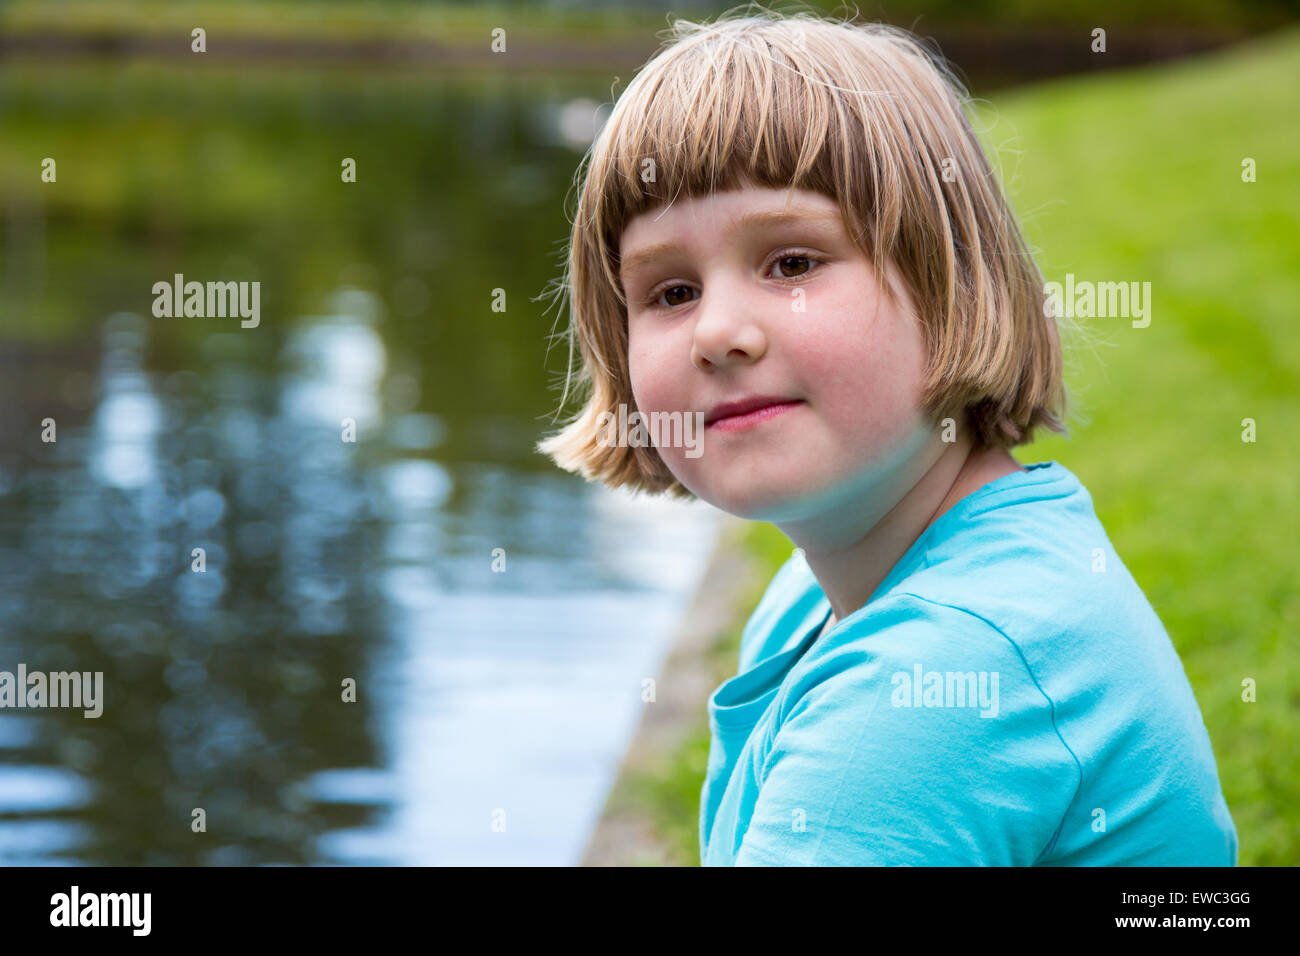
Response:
column 499, row 616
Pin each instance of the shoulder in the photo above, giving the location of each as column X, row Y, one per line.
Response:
column 1036, row 566
column 1043, row 524
column 1034, row 561
column 923, row 675
column 902, row 638
column 914, row 733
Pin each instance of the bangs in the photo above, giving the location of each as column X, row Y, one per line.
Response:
column 733, row 104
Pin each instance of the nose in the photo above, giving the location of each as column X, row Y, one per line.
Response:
column 726, row 333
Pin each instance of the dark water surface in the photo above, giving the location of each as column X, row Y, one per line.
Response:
column 491, row 706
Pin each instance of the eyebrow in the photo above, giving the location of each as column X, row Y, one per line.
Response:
column 751, row 220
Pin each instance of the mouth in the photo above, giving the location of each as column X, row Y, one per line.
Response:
column 731, row 416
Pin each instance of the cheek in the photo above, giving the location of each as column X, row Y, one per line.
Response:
column 650, row 370
column 866, row 372
column 660, row 379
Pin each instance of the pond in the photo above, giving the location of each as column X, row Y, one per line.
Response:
column 343, row 612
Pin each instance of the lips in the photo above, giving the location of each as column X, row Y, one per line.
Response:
column 748, row 411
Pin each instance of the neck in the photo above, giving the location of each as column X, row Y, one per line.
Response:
column 852, row 551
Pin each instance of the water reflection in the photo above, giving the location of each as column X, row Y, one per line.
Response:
column 210, row 542
column 203, row 533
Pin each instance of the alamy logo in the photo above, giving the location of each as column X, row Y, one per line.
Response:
column 922, row 688
column 56, row 689
column 102, row 909
column 218, row 300
column 660, row 429
column 1103, row 300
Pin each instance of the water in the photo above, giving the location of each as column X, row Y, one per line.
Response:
column 201, row 532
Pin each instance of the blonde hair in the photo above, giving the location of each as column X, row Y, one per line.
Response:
column 864, row 115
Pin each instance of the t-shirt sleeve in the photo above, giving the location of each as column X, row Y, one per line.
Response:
column 925, row 742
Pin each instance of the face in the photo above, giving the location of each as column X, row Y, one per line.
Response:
column 755, row 308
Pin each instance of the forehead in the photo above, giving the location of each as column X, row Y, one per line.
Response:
column 657, row 231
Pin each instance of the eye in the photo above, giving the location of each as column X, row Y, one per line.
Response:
column 668, row 293
column 782, row 260
column 788, row 260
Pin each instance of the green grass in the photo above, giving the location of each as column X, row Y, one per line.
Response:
column 1140, row 177
column 1137, row 176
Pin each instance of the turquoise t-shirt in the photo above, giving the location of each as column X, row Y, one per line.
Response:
column 1007, row 697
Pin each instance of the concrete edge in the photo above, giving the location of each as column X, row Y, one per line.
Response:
column 687, row 678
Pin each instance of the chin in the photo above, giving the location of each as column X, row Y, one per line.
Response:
column 750, row 497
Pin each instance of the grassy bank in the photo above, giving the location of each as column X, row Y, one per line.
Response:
column 1137, row 176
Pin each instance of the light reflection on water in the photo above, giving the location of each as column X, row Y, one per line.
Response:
column 492, row 708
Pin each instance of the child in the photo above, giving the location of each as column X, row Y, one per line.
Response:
column 788, row 231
